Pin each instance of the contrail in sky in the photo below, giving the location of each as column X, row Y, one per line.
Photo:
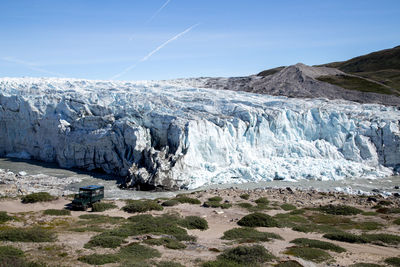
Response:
column 154, row 51
column 153, row 16
column 158, row 11
column 30, row 65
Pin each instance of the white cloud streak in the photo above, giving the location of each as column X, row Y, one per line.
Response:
column 30, row 65
column 158, row 11
column 154, row 51
column 152, row 17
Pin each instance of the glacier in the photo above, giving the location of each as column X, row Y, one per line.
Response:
column 164, row 134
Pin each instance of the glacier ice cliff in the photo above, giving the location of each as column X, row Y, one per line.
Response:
column 169, row 136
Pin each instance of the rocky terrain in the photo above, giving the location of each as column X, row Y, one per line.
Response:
column 295, row 81
column 372, row 78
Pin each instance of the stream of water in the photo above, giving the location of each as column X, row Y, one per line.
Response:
column 112, row 191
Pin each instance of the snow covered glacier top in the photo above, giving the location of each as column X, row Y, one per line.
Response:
column 172, row 136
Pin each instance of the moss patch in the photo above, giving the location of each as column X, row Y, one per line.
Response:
column 170, row 203
column 4, row 217
column 394, row 261
column 166, row 242
column 141, row 206
column 310, row 254
column 340, row 210
column 53, row 212
column 194, row 222
column 103, row 206
column 105, row 240
column 244, row 196
column 258, row 220
column 246, row 255
column 37, row 197
column 312, row 243
column 185, row 199
column 99, row 259
column 247, row 235
column 33, row 234
column 288, row 207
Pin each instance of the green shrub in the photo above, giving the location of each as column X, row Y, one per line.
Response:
column 346, row 237
column 397, row 221
column 329, row 219
column 246, row 255
column 34, row 234
column 37, row 197
column 194, row 222
column 170, row 203
column 288, row 220
column 394, row 261
column 99, row 259
column 138, row 252
column 385, row 203
column 184, row 199
column 88, row 229
column 388, row 210
column 169, row 264
column 141, row 206
column 222, row 263
column 166, row 242
column 245, row 235
column 340, row 210
column 160, row 225
column 245, row 205
column 215, row 199
column 312, row 243
column 289, row 263
column 245, row 196
column 216, row 204
column 384, row 238
column 297, row 212
column 363, row 264
column 54, row 212
column 316, row 228
column 258, row 220
column 8, row 254
column 310, row 254
column 288, row 207
column 4, row 217
column 103, row 206
column 105, row 240
column 93, row 219
column 369, row 213
column 366, row 226
column 262, row 200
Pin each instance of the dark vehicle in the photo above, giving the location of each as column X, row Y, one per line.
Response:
column 87, row 196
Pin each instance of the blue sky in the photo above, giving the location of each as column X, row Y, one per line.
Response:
column 124, row 39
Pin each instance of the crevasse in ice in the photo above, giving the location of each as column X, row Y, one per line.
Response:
column 172, row 136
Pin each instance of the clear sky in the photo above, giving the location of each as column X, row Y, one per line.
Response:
column 163, row 39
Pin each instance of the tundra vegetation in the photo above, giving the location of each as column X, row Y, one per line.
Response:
column 150, row 228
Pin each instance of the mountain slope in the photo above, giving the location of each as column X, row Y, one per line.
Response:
column 372, row 78
column 306, row 82
column 382, row 67
column 376, row 61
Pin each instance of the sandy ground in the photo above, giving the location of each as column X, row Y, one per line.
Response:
column 219, row 220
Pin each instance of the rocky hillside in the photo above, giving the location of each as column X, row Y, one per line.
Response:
column 373, row 78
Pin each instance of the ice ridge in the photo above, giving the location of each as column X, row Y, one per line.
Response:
column 160, row 134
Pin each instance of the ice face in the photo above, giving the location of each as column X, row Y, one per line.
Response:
column 172, row 136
